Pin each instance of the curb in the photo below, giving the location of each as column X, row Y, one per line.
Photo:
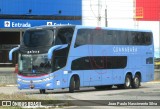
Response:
column 11, row 85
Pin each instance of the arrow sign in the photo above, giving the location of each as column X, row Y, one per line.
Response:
column 49, row 23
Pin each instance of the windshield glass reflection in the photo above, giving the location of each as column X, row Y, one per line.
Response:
column 34, row 64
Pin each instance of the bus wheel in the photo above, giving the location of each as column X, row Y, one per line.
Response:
column 136, row 82
column 42, row 91
column 72, row 85
column 128, row 81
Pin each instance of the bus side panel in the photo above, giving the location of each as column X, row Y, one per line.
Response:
column 86, row 78
column 95, row 77
column 106, row 77
column 147, row 73
column 148, row 64
column 57, row 80
column 65, row 75
column 118, row 76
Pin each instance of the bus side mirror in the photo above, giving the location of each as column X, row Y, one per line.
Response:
column 54, row 48
column 11, row 52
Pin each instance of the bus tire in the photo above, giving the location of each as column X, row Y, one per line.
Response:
column 72, row 85
column 42, row 91
column 128, row 81
column 77, row 83
column 136, row 82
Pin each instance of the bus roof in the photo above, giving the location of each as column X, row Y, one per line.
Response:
column 110, row 28
column 87, row 27
column 49, row 27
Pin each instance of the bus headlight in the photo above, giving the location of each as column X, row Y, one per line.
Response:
column 48, row 79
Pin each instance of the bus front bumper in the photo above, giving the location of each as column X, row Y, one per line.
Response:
column 32, row 85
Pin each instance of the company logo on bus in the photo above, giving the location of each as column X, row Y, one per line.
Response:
column 125, row 49
column 33, row 52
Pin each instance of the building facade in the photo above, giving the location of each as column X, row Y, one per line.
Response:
column 17, row 15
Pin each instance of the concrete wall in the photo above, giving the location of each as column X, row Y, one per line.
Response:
column 8, row 79
column 7, row 75
column 157, row 74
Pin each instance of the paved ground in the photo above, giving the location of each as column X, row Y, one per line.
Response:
column 6, row 70
column 148, row 91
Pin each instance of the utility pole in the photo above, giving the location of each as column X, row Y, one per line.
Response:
column 159, row 40
column 99, row 14
column 106, row 20
column 135, row 11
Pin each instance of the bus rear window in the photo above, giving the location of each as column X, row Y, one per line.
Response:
column 38, row 38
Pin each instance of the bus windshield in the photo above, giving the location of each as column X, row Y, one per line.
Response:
column 38, row 38
column 34, row 64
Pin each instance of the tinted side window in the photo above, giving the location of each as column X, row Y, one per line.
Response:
column 112, row 37
column 99, row 62
column 59, row 58
column 138, row 38
column 116, row 62
column 148, row 38
column 130, row 36
column 81, row 64
column 109, row 37
column 141, row 38
column 97, row 37
column 122, row 38
column 64, row 36
column 82, row 37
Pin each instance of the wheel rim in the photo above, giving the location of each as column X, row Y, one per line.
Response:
column 74, row 84
column 128, row 82
column 136, row 81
